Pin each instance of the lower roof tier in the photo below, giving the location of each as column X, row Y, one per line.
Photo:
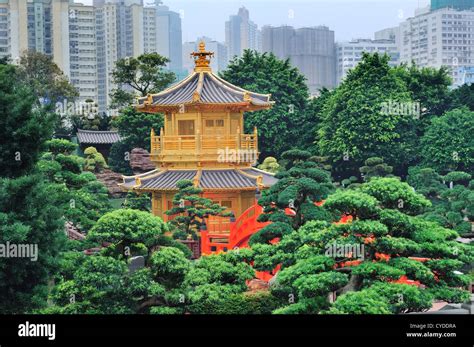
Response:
column 225, row 179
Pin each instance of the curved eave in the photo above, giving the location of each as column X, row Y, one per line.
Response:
column 203, row 89
column 210, row 190
column 208, row 180
column 245, row 106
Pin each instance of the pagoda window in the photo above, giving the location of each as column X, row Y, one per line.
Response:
column 209, row 123
column 186, row 127
column 214, row 126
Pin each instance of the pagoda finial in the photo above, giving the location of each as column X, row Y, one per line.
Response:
column 202, row 58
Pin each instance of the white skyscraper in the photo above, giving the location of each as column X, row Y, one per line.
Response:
column 119, row 34
column 5, row 29
column 83, row 51
column 444, row 37
column 39, row 25
column 349, row 54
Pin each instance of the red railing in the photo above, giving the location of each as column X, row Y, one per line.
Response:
column 239, row 233
column 245, row 226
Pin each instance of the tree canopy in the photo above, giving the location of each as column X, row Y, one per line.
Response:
column 279, row 127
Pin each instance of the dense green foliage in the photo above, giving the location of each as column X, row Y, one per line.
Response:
column 448, row 143
column 30, row 209
column 383, row 237
column 357, row 122
column 279, row 127
column 83, row 198
column 396, row 253
column 24, row 126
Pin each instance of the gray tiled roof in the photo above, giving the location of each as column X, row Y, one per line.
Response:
column 167, row 180
column 97, row 137
column 225, row 179
column 268, row 178
column 211, row 89
column 210, row 179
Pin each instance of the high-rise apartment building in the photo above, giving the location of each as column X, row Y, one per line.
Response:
column 83, row 51
column 119, row 34
column 311, row 50
column 150, row 43
column 241, row 34
column 40, row 25
column 443, row 37
column 85, row 41
column 349, row 54
column 5, row 29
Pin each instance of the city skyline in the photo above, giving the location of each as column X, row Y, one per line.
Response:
column 339, row 15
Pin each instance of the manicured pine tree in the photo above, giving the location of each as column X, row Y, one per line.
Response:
column 300, row 186
column 375, row 167
column 191, row 209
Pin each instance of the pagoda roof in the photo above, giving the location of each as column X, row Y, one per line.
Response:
column 222, row 179
column 203, row 88
column 97, row 137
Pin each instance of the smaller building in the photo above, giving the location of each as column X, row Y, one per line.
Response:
column 101, row 140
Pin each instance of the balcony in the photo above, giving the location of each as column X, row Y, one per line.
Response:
column 238, row 148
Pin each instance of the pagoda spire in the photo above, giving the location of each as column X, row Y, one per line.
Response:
column 202, row 58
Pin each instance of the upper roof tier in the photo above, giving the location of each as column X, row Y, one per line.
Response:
column 203, row 88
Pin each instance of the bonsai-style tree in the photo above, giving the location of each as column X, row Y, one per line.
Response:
column 457, row 177
column 299, row 187
column 452, row 197
column 426, row 181
column 375, row 167
column 129, row 232
column 270, row 164
column 375, row 263
column 136, row 201
column 60, row 146
column 95, row 161
column 191, row 209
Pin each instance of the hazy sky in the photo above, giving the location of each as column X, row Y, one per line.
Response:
column 348, row 18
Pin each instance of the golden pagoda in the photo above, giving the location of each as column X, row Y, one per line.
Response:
column 202, row 141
